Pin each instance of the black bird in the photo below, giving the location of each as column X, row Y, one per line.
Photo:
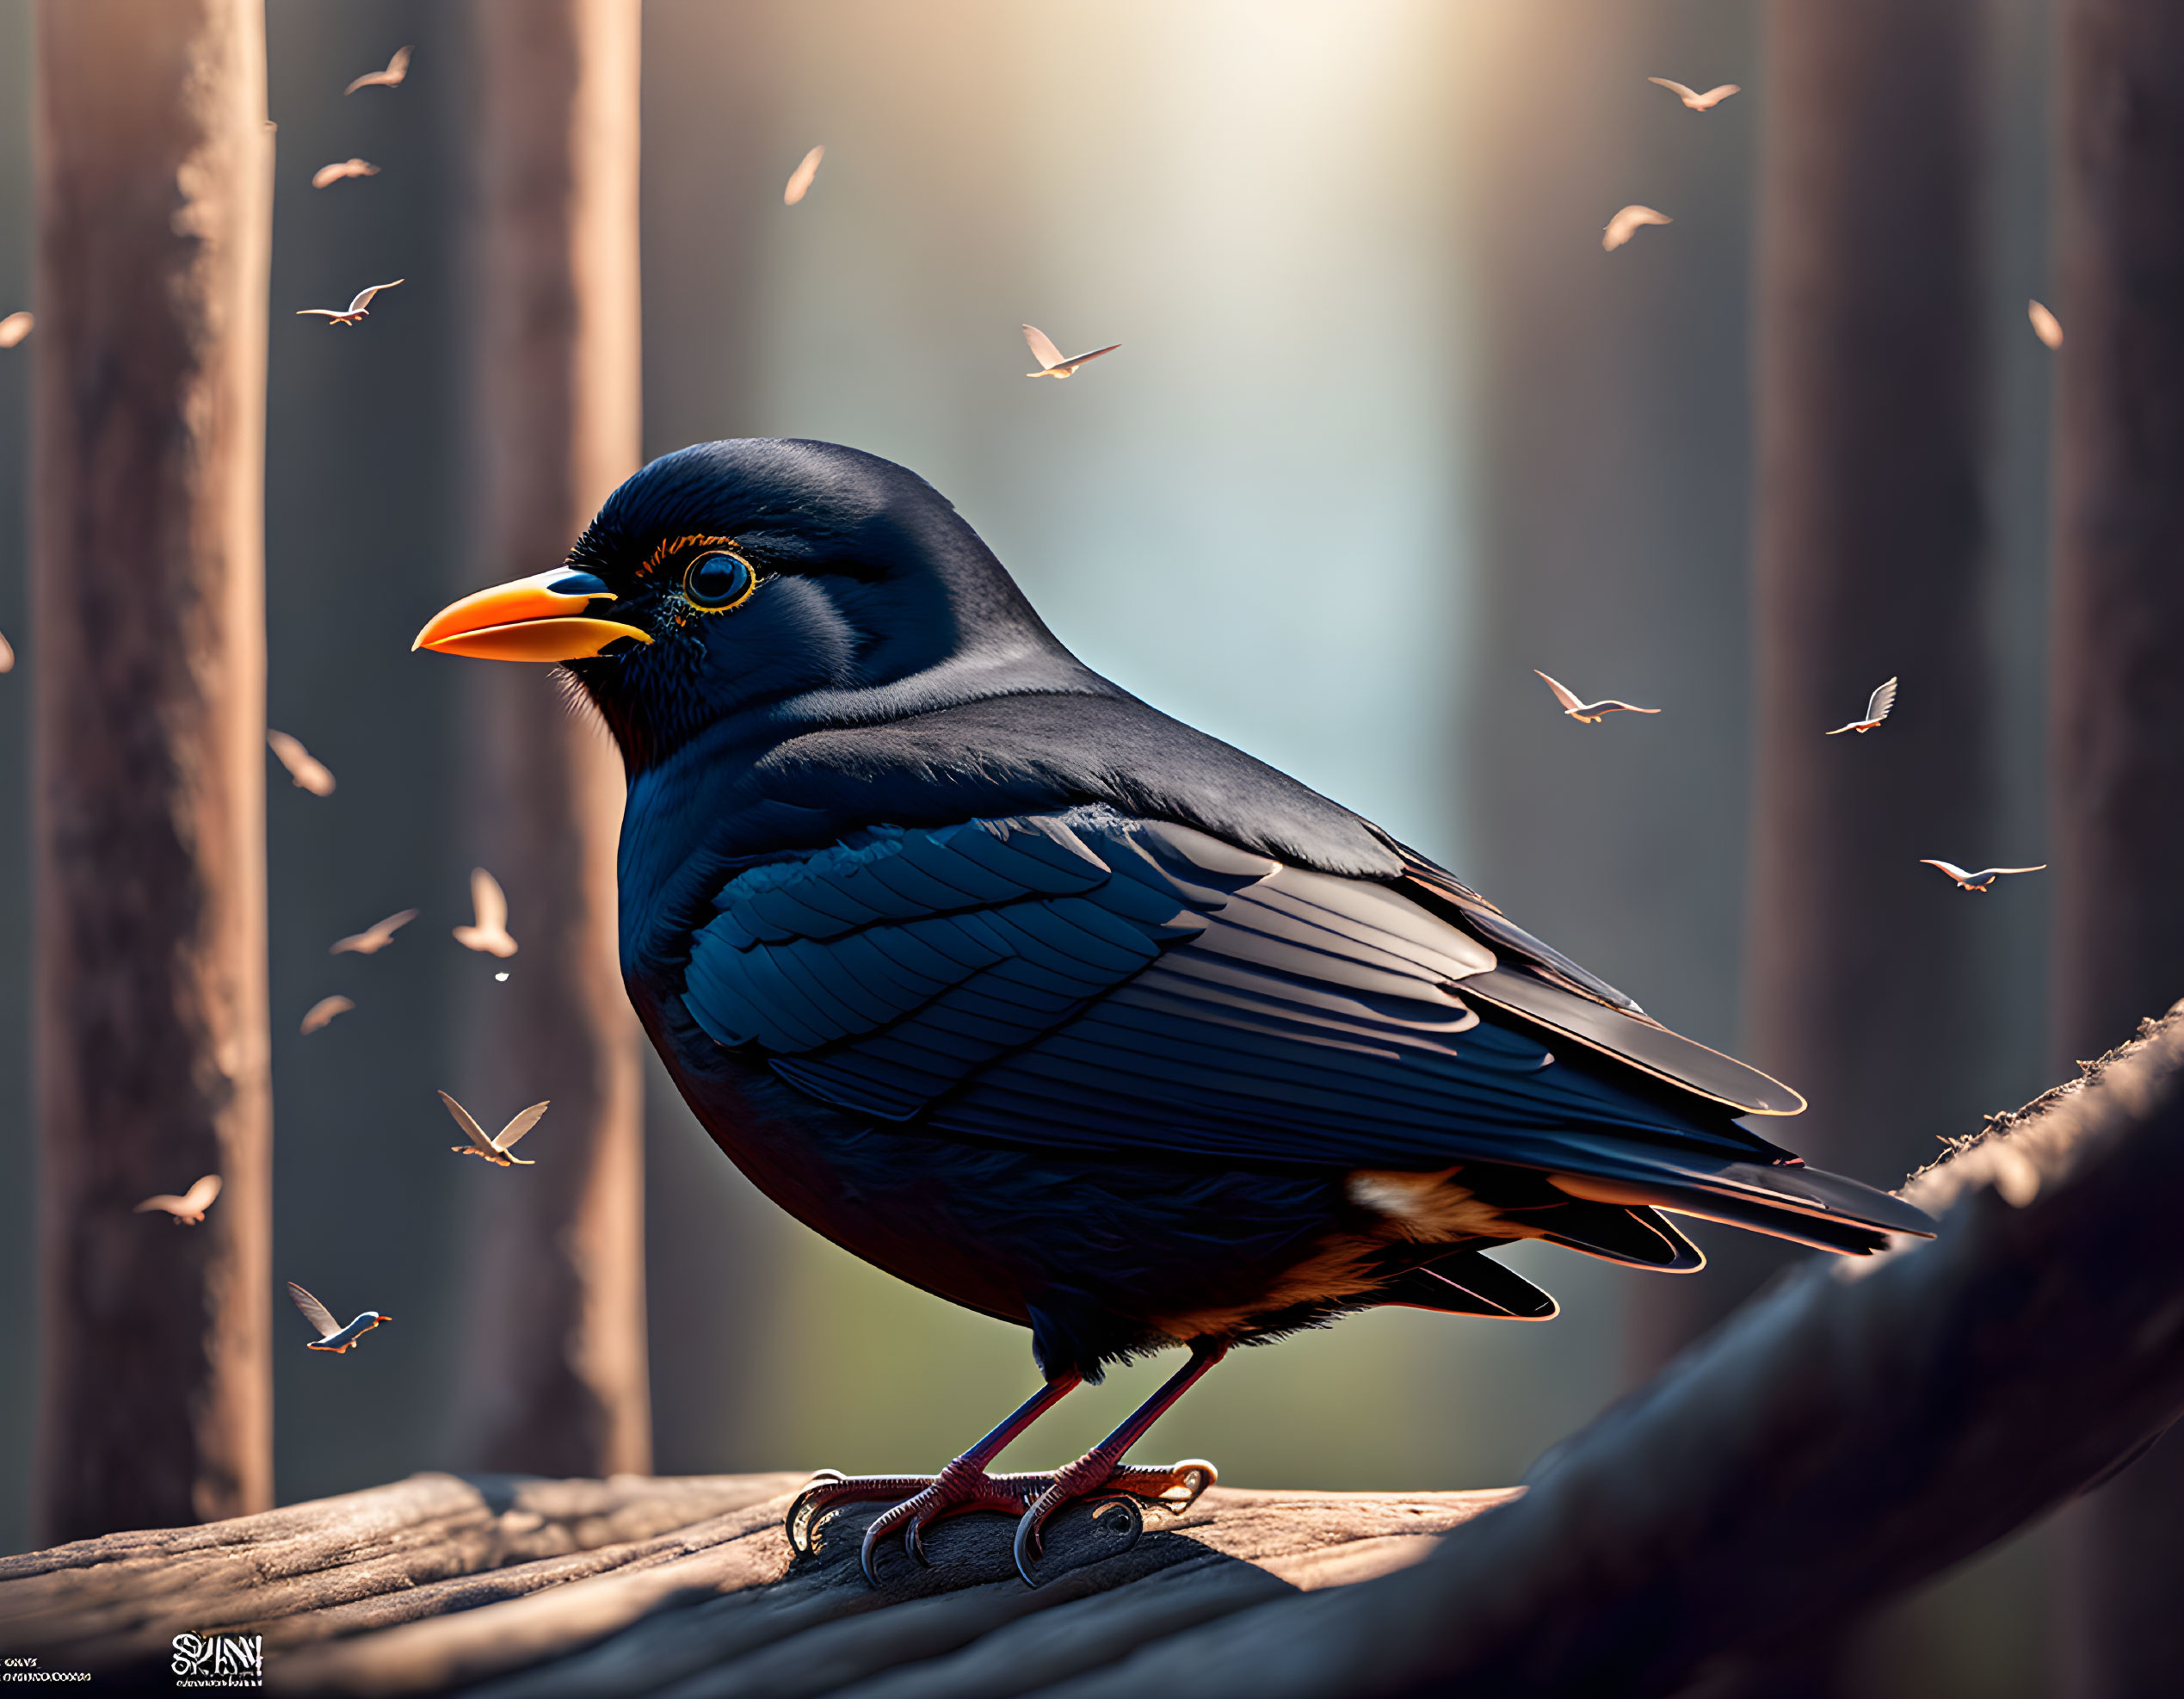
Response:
column 1053, row 1006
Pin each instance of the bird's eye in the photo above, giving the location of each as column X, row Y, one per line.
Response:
column 717, row 582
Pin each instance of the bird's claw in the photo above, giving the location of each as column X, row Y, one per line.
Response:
column 1126, row 1486
column 919, row 1502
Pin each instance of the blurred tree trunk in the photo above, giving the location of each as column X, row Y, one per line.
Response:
column 554, row 1378
column 2117, row 749
column 1864, row 990
column 1863, row 986
column 155, row 197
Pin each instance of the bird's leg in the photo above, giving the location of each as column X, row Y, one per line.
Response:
column 1101, row 1473
column 964, row 1485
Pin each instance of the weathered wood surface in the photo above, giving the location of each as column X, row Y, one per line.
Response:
column 514, row 1587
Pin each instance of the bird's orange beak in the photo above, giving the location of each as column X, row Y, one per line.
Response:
column 541, row 618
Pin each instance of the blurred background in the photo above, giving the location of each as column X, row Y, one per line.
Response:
column 1387, row 430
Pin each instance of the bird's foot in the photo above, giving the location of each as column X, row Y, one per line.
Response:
column 919, row 1501
column 1109, row 1483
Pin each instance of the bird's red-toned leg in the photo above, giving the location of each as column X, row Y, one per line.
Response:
column 1101, row 1473
column 964, row 1485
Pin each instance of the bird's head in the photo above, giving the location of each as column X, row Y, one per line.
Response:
column 763, row 578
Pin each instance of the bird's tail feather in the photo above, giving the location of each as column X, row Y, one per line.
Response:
column 1807, row 1206
column 1467, row 1283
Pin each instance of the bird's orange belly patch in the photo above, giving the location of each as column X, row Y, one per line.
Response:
column 1341, row 1269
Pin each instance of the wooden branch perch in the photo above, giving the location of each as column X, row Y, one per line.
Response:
column 1857, row 1428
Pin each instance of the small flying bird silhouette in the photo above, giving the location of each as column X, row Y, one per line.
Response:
column 490, row 905
column 14, row 328
column 799, row 183
column 359, row 309
column 1877, row 709
column 375, row 938
column 343, row 168
column 1698, row 102
column 7, row 656
column 494, row 1150
column 2046, row 325
column 1976, row 882
column 309, row 772
column 323, row 1011
column 397, row 69
column 1051, row 362
column 332, row 1336
column 1626, row 225
column 189, row 1208
column 1590, row 714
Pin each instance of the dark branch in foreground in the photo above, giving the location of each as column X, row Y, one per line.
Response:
column 1853, row 1431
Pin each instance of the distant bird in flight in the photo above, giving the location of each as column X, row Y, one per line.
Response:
column 375, row 938
column 189, row 1208
column 326, row 174
column 1627, row 223
column 332, row 1336
column 1698, row 102
column 7, row 655
column 1051, row 364
column 1588, row 714
column 308, row 772
column 397, row 69
column 15, row 327
column 496, row 1149
column 489, row 905
column 1878, row 707
column 1976, row 882
column 1049, row 1004
column 799, row 183
column 322, row 1012
column 2046, row 325
column 357, row 310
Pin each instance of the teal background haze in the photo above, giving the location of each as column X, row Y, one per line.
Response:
column 1387, row 430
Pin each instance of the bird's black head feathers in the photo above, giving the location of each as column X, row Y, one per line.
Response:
column 872, row 598
column 884, row 668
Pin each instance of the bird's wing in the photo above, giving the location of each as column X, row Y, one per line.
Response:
column 398, row 66
column 199, row 1198
column 801, row 179
column 314, row 1312
column 1720, row 92
column 1093, row 982
column 166, row 1200
column 364, row 296
column 488, row 901
column 1674, row 88
column 521, row 1125
column 1995, row 873
column 468, row 1122
column 1883, row 699
column 1564, row 693
column 1627, row 223
column 1949, row 867
column 383, row 932
column 309, row 772
column 321, row 1013
column 320, row 312
column 1621, row 706
column 1042, row 348
column 1078, row 359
